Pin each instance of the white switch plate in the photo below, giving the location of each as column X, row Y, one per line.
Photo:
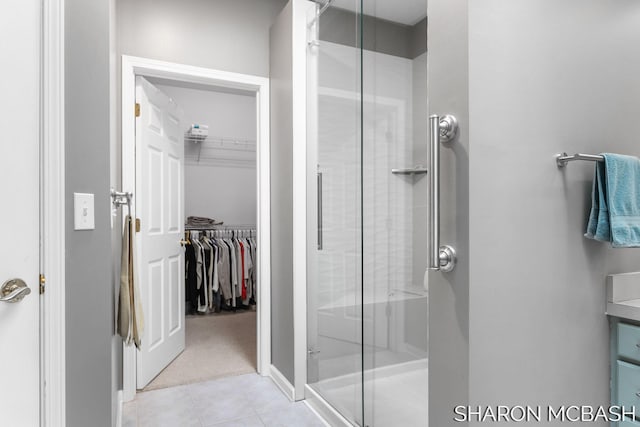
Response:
column 83, row 211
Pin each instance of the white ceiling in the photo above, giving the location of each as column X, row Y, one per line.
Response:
column 407, row 12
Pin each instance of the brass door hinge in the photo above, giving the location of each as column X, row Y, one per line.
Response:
column 137, row 225
column 43, row 280
column 137, row 110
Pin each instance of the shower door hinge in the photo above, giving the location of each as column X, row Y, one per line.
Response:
column 43, row 280
column 137, row 109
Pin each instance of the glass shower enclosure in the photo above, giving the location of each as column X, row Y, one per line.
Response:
column 367, row 318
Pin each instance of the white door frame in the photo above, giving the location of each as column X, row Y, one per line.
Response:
column 136, row 66
column 52, row 217
column 303, row 13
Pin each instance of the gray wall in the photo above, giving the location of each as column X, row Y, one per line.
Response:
column 282, row 194
column 230, row 35
column 379, row 35
column 89, row 309
column 449, row 292
column 545, row 77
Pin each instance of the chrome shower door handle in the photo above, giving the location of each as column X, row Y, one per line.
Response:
column 14, row 290
column 441, row 130
column 319, row 189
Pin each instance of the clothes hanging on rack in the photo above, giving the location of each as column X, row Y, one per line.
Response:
column 220, row 270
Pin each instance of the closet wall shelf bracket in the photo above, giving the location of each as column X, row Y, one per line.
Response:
column 563, row 158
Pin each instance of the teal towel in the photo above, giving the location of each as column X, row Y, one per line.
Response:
column 615, row 208
column 598, row 227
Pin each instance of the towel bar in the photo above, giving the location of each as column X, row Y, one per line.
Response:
column 563, row 158
column 120, row 198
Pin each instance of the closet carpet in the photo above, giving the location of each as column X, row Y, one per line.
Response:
column 217, row 345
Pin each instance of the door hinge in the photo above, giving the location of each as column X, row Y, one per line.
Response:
column 43, row 280
column 137, row 110
column 137, row 225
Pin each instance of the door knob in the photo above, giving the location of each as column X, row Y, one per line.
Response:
column 14, row 290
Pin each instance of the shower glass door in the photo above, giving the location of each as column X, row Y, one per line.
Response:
column 394, row 206
column 334, row 363
column 367, row 256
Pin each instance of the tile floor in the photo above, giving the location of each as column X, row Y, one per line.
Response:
column 242, row 401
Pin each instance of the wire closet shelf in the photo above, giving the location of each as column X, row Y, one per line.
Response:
column 236, row 230
column 213, row 148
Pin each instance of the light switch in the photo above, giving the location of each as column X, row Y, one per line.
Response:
column 83, row 211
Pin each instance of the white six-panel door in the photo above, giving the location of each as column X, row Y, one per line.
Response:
column 19, row 215
column 159, row 206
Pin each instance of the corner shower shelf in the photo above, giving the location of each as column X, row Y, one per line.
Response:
column 416, row 170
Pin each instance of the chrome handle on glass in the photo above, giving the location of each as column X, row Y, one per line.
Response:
column 14, row 290
column 441, row 130
column 319, row 211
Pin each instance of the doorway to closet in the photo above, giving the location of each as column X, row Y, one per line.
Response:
column 219, row 209
column 203, row 225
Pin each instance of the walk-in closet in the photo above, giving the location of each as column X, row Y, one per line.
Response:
column 218, row 128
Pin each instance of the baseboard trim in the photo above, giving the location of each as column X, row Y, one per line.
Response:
column 119, row 412
column 323, row 410
column 282, row 382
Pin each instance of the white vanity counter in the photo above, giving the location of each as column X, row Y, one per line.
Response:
column 623, row 296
